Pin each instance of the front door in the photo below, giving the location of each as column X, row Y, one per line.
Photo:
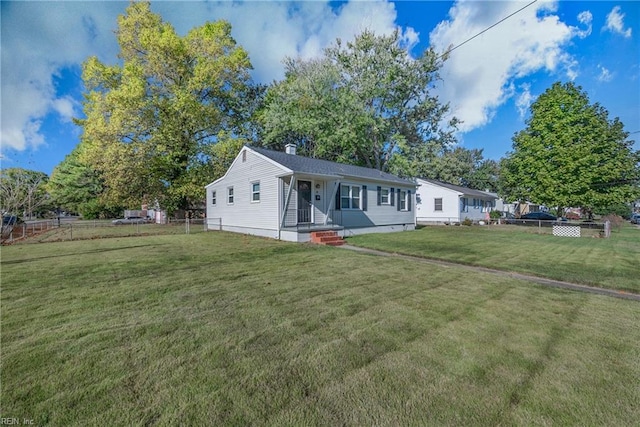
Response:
column 304, row 202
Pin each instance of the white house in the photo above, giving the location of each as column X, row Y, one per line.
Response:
column 440, row 202
column 285, row 196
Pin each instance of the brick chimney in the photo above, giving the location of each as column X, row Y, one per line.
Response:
column 290, row 148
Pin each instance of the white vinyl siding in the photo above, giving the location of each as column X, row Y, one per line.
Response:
column 264, row 215
column 455, row 205
column 264, row 218
column 376, row 215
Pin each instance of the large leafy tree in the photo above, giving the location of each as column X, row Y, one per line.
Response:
column 23, row 192
column 571, row 154
column 366, row 102
column 150, row 119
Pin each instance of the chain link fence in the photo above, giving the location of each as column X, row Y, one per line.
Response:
column 57, row 231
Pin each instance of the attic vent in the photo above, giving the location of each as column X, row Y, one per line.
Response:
column 244, row 155
column 290, row 148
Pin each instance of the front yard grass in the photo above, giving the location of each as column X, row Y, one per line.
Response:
column 612, row 263
column 223, row 329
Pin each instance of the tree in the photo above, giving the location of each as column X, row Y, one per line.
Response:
column 366, row 102
column 76, row 187
column 571, row 154
column 458, row 166
column 149, row 120
column 23, row 192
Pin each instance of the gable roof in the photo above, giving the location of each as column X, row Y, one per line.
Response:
column 464, row 190
column 308, row 165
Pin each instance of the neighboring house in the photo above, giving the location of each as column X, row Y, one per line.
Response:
column 285, row 196
column 440, row 202
column 523, row 208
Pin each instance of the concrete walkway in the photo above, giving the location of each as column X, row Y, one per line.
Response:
column 519, row 276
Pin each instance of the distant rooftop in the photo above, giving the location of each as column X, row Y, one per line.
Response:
column 460, row 189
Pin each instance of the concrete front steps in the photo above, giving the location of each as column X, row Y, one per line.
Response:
column 330, row 238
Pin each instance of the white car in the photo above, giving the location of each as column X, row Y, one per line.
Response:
column 130, row 220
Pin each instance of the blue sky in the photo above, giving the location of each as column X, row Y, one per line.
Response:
column 489, row 82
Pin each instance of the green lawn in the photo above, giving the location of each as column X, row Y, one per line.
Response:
column 222, row 329
column 612, row 263
column 87, row 230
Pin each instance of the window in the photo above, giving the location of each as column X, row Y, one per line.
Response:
column 230, row 195
column 437, row 204
column 384, row 196
column 464, row 205
column 403, row 201
column 350, row 197
column 255, row 192
column 213, row 197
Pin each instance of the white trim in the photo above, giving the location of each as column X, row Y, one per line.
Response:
column 273, row 162
column 253, row 192
column 351, row 186
column 231, row 195
column 435, row 204
column 278, row 165
column 382, row 202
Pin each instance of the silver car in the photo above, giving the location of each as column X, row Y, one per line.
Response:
column 130, row 220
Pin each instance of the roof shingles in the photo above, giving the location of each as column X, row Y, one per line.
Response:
column 308, row 165
column 464, row 190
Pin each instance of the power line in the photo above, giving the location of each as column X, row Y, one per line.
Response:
column 487, row 29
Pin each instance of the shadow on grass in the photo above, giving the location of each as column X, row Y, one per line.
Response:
column 62, row 255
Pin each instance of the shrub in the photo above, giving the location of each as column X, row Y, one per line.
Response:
column 494, row 214
column 620, row 209
column 467, row 222
column 615, row 220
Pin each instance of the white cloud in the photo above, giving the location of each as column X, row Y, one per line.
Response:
column 479, row 76
column 585, row 18
column 39, row 39
column 615, row 23
column 524, row 100
column 65, row 107
column 605, row 75
column 271, row 31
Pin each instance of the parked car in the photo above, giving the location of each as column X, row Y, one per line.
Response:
column 507, row 217
column 9, row 220
column 539, row 216
column 130, row 220
column 635, row 218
